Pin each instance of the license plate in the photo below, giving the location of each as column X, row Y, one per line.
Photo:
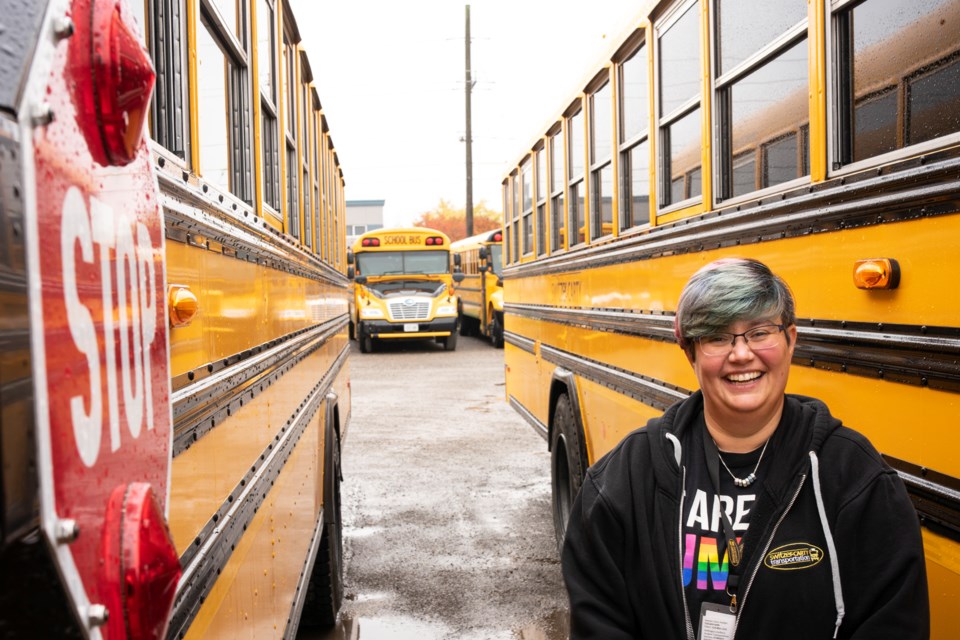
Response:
column 411, row 327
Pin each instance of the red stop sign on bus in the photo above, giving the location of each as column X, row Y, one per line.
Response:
column 98, row 337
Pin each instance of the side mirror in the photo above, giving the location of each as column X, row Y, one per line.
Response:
column 456, row 259
column 349, row 256
column 484, row 252
column 360, row 279
column 458, row 277
column 351, row 272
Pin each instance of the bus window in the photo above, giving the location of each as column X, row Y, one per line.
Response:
column 634, row 113
column 902, row 86
column 601, row 162
column 679, row 114
column 576, row 217
column 557, row 217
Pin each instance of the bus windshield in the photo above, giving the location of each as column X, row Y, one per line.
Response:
column 387, row 263
column 496, row 259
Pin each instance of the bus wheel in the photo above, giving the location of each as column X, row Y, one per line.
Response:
column 450, row 342
column 366, row 343
column 568, row 464
column 496, row 330
column 325, row 589
column 465, row 326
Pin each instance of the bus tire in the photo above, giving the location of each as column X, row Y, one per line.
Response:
column 364, row 341
column 366, row 344
column 496, row 329
column 450, row 342
column 464, row 325
column 325, row 589
column 568, row 465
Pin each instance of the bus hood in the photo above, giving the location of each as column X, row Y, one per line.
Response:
column 407, row 287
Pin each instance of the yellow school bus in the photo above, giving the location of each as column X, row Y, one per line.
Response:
column 481, row 292
column 821, row 138
column 252, row 194
column 173, row 324
column 403, row 287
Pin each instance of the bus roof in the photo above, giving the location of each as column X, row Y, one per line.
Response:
column 486, row 237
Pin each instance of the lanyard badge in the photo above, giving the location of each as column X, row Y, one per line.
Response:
column 734, row 547
column 716, row 622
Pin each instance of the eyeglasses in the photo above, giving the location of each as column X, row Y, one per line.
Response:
column 759, row 338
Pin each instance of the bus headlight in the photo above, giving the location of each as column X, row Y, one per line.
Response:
column 367, row 313
column 446, row 310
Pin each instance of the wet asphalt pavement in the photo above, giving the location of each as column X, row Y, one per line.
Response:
column 448, row 532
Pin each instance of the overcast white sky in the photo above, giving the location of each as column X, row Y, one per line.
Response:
column 390, row 75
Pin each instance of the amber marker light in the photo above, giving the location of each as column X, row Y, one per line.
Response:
column 183, row 305
column 876, row 273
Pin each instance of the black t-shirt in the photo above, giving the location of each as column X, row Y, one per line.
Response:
column 705, row 563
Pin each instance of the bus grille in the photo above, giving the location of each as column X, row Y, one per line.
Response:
column 419, row 310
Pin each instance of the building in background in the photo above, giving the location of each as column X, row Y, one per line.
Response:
column 363, row 216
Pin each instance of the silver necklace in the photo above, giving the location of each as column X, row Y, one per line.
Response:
column 744, row 482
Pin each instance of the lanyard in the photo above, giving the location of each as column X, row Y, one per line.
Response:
column 734, row 548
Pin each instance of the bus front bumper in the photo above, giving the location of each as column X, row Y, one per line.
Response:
column 383, row 330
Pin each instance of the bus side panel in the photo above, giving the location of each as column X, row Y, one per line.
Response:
column 242, row 305
column 611, row 417
column 205, row 474
column 900, row 420
column 943, row 563
column 253, row 596
column 525, row 372
column 471, row 296
column 825, row 292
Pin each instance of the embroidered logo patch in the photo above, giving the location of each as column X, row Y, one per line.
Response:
column 796, row 555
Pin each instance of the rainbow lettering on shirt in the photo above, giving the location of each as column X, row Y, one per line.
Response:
column 689, row 549
column 711, row 569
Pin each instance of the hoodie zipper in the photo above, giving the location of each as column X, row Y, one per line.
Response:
column 683, row 592
column 756, row 566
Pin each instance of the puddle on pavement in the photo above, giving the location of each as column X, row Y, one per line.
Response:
column 383, row 628
column 360, row 532
column 552, row 627
column 556, row 626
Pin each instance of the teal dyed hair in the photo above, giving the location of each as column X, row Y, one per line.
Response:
column 729, row 290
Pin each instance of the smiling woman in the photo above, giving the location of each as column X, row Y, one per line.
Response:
column 742, row 380
column 672, row 468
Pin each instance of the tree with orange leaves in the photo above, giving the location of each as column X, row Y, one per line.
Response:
column 453, row 222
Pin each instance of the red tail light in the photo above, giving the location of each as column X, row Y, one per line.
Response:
column 434, row 241
column 370, row 242
column 141, row 566
column 498, row 237
column 112, row 81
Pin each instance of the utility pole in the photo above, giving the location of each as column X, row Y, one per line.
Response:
column 469, row 137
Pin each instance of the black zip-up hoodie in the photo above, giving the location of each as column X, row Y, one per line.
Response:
column 851, row 566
